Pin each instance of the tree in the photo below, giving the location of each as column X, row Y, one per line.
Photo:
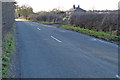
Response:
column 24, row 11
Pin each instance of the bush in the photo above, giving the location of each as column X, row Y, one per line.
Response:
column 106, row 22
column 49, row 17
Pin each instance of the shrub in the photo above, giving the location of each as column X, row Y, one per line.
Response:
column 49, row 17
column 106, row 22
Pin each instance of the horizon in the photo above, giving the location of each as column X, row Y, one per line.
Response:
column 61, row 4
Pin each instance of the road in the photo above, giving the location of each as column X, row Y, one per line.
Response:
column 48, row 52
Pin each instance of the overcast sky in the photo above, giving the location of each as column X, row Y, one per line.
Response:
column 47, row 5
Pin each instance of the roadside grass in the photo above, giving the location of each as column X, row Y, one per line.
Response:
column 100, row 35
column 9, row 49
column 43, row 22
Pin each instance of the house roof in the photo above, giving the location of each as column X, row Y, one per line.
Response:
column 77, row 9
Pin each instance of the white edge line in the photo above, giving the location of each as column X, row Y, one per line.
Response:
column 63, row 31
column 105, row 42
column 55, row 39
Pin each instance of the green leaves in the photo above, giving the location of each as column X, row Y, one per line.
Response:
column 8, row 50
column 5, row 58
column 24, row 10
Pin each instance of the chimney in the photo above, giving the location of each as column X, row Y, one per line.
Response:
column 78, row 6
column 73, row 6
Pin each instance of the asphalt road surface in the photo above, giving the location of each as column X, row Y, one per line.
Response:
column 48, row 52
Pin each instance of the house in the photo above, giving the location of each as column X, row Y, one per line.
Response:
column 75, row 9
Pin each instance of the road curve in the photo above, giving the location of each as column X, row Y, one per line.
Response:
column 47, row 52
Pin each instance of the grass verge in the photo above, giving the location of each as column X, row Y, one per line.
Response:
column 100, row 35
column 43, row 22
column 9, row 49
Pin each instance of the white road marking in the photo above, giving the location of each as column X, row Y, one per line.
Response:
column 118, row 76
column 105, row 42
column 55, row 39
column 63, row 31
column 38, row 28
column 93, row 39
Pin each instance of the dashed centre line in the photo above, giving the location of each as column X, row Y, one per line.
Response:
column 38, row 28
column 56, row 39
column 118, row 76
